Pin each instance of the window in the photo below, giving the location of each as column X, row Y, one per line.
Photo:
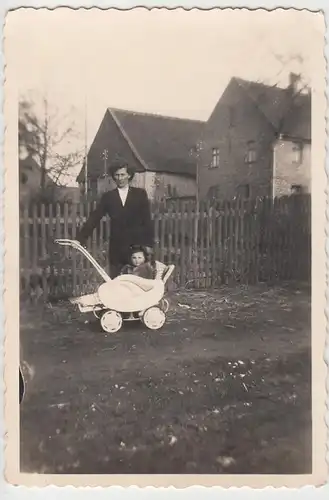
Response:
column 243, row 191
column 251, row 155
column 297, row 149
column 296, row 189
column 215, row 158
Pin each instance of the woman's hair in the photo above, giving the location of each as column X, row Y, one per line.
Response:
column 121, row 163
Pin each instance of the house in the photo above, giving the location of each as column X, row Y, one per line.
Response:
column 292, row 151
column 30, row 180
column 257, row 142
column 159, row 148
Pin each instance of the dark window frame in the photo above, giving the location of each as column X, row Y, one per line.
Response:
column 298, row 151
column 251, row 153
column 215, row 159
column 296, row 189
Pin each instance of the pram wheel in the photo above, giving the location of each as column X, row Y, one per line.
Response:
column 111, row 321
column 164, row 304
column 97, row 313
column 154, row 318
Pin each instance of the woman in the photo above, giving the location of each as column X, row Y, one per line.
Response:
column 129, row 210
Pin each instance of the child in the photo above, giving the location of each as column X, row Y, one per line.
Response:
column 140, row 263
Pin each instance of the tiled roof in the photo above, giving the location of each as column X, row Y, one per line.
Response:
column 163, row 143
column 289, row 114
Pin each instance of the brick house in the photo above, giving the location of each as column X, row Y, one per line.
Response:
column 292, row 151
column 257, row 142
column 158, row 147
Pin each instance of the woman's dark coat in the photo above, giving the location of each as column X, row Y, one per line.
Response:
column 131, row 224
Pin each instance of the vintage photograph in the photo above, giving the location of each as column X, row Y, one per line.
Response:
column 163, row 175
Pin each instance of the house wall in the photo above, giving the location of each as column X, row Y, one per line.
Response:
column 165, row 185
column 156, row 184
column 171, row 185
column 235, row 121
column 286, row 171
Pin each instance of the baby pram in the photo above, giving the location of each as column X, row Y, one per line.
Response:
column 125, row 298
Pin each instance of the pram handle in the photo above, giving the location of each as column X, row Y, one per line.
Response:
column 75, row 244
column 168, row 273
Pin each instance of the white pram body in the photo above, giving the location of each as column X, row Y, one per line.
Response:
column 125, row 298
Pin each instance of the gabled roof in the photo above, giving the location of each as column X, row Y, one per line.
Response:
column 161, row 143
column 290, row 114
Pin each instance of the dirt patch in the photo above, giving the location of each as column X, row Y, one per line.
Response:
column 224, row 387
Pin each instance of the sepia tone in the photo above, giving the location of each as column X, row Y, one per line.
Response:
column 208, row 368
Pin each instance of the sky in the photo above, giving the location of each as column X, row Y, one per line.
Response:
column 175, row 63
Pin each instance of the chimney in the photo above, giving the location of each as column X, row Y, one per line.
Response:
column 294, row 79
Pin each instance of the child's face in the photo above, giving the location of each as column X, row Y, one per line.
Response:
column 137, row 258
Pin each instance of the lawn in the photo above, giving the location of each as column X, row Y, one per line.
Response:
column 224, row 387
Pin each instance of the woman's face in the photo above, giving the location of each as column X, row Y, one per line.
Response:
column 137, row 258
column 121, row 177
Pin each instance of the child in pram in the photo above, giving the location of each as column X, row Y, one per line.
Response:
column 142, row 264
column 140, row 297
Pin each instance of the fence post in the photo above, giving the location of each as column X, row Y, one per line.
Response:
column 74, row 254
column 66, row 232
column 208, row 242
column 162, row 218
column 219, row 244
column 189, row 240
column 214, row 271
column 201, row 236
column 43, row 249
column 183, row 269
column 35, row 246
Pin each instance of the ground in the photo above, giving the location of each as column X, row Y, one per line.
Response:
column 224, row 387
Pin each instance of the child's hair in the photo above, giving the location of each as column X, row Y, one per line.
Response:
column 140, row 248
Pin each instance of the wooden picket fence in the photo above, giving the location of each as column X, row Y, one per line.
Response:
column 234, row 241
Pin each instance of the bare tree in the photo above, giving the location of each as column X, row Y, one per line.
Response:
column 43, row 133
